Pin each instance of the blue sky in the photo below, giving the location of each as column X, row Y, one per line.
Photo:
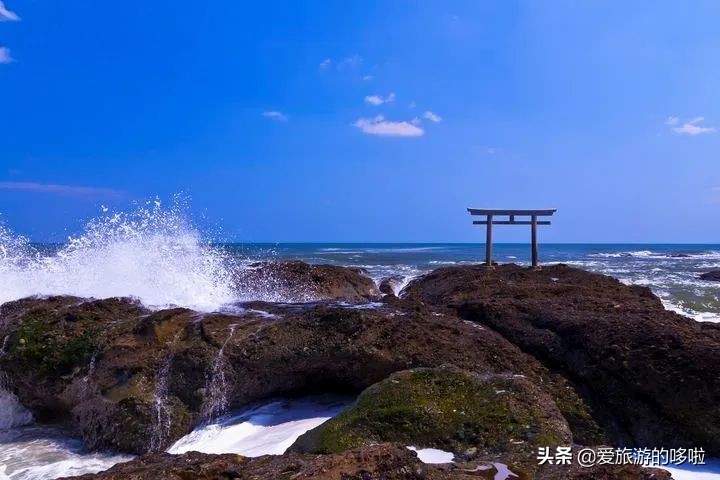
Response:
column 365, row 121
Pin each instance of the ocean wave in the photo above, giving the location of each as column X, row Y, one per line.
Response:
column 669, row 304
column 153, row 254
column 44, row 453
column 268, row 429
column 643, row 254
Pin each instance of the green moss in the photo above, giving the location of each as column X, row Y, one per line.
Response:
column 52, row 351
column 443, row 408
column 586, row 430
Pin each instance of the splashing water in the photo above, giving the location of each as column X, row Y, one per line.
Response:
column 217, row 401
column 267, row 429
column 12, row 413
column 45, row 453
column 152, row 253
column 162, row 420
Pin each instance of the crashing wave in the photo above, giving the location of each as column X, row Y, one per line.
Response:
column 153, row 254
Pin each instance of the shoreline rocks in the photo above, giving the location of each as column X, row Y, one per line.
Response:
column 391, row 285
column 647, row 373
column 297, row 281
column 712, row 276
column 377, row 462
column 145, row 381
column 558, row 355
column 478, row 416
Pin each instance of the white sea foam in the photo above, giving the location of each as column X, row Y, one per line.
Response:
column 152, row 253
column 433, row 455
column 699, row 316
column 35, row 453
column 12, row 413
column 265, row 430
column 649, row 254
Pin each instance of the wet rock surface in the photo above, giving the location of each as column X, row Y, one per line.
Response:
column 376, row 462
column 713, row 276
column 480, row 416
column 140, row 380
column 391, row 285
column 296, row 281
column 648, row 373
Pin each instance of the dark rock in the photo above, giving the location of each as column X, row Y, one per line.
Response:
column 713, row 276
column 649, row 374
column 110, row 401
column 376, row 462
column 296, row 281
column 391, row 285
column 386, row 462
column 449, row 409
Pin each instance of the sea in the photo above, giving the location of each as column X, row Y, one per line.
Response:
column 158, row 256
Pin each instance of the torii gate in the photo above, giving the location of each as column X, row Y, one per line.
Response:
column 490, row 213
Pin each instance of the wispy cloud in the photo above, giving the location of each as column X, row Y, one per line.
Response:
column 428, row 115
column 279, row 116
column 5, row 56
column 7, row 15
column 325, row 64
column 690, row 127
column 67, row 190
column 367, row 78
column 379, row 126
column 377, row 100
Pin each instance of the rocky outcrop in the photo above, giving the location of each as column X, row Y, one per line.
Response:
column 387, row 462
column 475, row 416
column 713, row 276
column 296, row 281
column 133, row 380
column 649, row 374
column 377, row 462
column 487, row 363
column 391, row 285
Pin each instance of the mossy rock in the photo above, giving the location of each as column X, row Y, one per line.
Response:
column 40, row 344
column 446, row 408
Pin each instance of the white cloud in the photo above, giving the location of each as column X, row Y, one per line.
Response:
column 325, row 64
column 416, row 121
column 59, row 189
column 5, row 56
column 432, row 117
column 672, row 120
column 691, row 127
column 7, row 15
column 387, row 128
column 377, row 100
column 279, row 116
column 367, row 78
